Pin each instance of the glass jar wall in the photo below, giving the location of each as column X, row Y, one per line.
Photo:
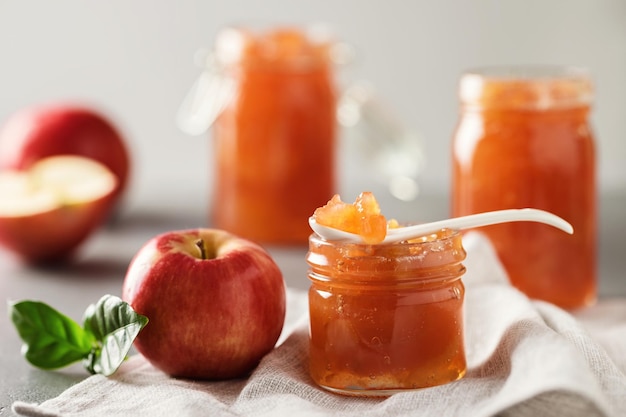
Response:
column 524, row 140
column 386, row 318
column 274, row 139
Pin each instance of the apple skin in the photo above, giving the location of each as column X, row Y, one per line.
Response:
column 53, row 236
column 212, row 318
column 36, row 132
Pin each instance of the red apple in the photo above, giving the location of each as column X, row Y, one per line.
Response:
column 46, row 212
column 63, row 129
column 216, row 303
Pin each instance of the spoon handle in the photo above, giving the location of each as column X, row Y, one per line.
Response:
column 480, row 219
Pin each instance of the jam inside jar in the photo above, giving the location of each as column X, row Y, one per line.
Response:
column 386, row 318
column 275, row 137
column 524, row 139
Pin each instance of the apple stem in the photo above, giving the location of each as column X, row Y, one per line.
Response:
column 202, row 248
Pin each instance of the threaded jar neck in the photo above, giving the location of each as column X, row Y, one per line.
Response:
column 415, row 265
column 526, row 88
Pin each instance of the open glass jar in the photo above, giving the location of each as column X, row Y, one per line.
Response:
column 386, row 318
column 275, row 137
column 524, row 139
column 270, row 99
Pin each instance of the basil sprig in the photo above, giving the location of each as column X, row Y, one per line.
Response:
column 53, row 340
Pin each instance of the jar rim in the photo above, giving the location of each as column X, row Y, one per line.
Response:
column 534, row 87
column 260, row 47
column 529, row 72
column 431, row 239
column 431, row 262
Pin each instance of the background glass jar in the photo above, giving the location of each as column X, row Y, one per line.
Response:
column 268, row 93
column 386, row 318
column 524, row 140
column 275, row 139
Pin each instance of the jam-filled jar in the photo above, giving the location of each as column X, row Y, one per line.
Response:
column 386, row 318
column 274, row 138
column 524, row 140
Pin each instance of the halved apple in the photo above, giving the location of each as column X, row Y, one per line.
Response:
column 38, row 131
column 47, row 211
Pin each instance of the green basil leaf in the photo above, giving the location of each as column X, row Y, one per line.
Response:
column 51, row 339
column 115, row 325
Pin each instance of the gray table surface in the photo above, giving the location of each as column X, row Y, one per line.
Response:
column 101, row 265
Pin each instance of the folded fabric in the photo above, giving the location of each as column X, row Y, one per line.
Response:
column 525, row 358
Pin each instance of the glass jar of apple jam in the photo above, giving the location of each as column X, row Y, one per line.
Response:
column 386, row 318
column 524, row 140
column 274, row 138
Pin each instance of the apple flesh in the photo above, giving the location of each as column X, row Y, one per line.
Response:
column 46, row 212
column 216, row 303
column 37, row 132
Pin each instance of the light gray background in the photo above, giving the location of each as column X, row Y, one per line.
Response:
column 135, row 59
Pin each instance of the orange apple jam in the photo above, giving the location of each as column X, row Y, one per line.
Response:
column 275, row 139
column 524, row 140
column 363, row 217
column 386, row 318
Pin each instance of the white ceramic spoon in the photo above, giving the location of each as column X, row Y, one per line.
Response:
column 458, row 223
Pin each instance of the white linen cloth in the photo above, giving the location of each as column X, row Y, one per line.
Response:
column 525, row 358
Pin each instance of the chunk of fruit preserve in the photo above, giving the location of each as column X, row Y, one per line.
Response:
column 363, row 217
